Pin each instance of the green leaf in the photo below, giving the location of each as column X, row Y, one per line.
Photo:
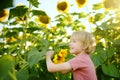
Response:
column 82, row 15
column 44, row 44
column 110, row 70
column 97, row 6
column 74, row 13
column 44, row 74
column 33, row 29
column 67, row 76
column 18, row 11
column 104, row 26
column 99, row 17
column 13, row 23
column 9, row 33
column 33, row 56
column 38, row 12
column 22, row 74
column 5, row 4
column 6, row 64
column 110, row 52
column 32, row 24
column 98, row 57
column 35, row 3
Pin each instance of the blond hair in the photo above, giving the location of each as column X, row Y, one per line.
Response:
column 87, row 39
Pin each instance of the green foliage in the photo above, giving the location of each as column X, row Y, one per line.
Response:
column 35, row 3
column 99, row 17
column 107, row 36
column 110, row 70
column 38, row 12
column 98, row 57
column 97, row 6
column 25, row 41
column 22, row 74
column 6, row 4
column 6, row 65
column 19, row 11
column 34, row 56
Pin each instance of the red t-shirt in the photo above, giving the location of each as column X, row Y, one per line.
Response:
column 83, row 68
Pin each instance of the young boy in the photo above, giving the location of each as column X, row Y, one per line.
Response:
column 81, row 44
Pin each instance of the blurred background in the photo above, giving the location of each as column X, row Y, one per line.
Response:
column 29, row 28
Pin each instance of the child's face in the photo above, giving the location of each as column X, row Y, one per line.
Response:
column 76, row 46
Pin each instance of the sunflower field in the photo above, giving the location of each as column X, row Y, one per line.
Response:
column 27, row 33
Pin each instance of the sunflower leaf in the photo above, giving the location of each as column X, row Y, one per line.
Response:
column 18, row 11
column 38, row 12
column 35, row 3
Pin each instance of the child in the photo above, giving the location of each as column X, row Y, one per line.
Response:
column 81, row 44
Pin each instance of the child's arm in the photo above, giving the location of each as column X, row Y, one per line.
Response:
column 64, row 72
column 63, row 67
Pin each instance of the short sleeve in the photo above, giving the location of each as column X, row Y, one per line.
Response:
column 78, row 62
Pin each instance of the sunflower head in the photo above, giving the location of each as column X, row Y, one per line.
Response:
column 57, row 59
column 11, row 39
column 53, row 28
column 60, row 57
column 91, row 19
column 62, row 6
column 81, row 3
column 43, row 19
column 3, row 14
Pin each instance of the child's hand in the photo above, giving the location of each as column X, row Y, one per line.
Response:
column 49, row 54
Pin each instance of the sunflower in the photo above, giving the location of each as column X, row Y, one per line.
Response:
column 62, row 6
column 43, row 19
column 81, row 3
column 11, row 39
column 91, row 19
column 53, row 28
column 3, row 14
column 57, row 59
column 60, row 57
